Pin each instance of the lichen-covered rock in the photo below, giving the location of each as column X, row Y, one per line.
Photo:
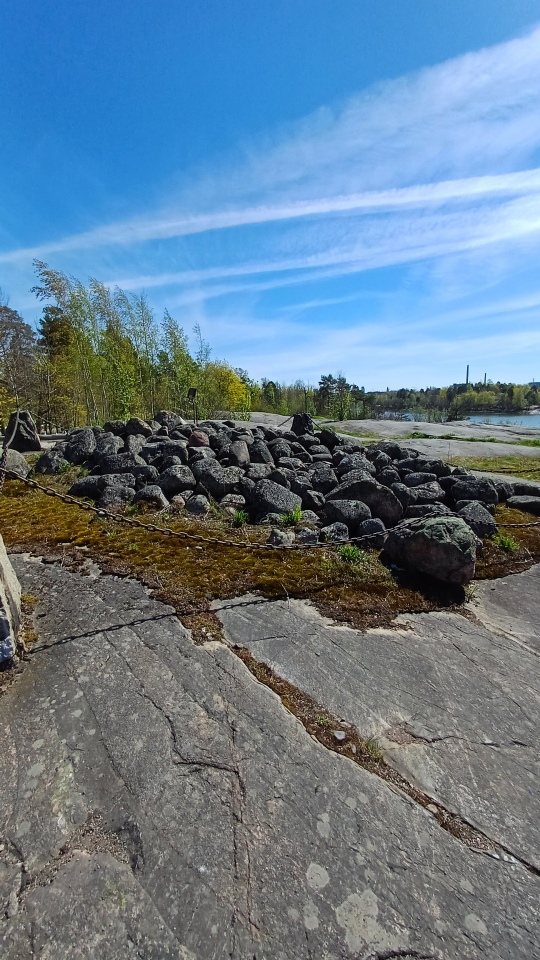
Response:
column 51, row 463
column 136, row 426
column 270, row 497
column 441, row 547
column 527, row 504
column 218, row 480
column 90, row 487
column 478, row 518
column 280, row 538
column 152, row 495
column 382, row 502
column 334, row 533
column 175, row 480
column 475, row 488
column 349, row 512
column 198, row 505
column 115, row 496
column 16, row 465
column 80, row 445
column 370, row 534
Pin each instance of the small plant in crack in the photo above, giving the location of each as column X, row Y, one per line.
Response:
column 506, row 543
column 372, row 748
column 324, row 721
column 240, row 518
column 292, row 517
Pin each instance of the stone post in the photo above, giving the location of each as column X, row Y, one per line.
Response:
column 10, row 607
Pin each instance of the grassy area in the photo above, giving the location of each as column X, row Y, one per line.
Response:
column 523, row 467
column 344, row 583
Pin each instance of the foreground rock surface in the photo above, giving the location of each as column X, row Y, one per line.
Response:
column 164, row 804
column 453, row 701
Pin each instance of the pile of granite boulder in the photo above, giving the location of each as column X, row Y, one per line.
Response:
column 381, row 495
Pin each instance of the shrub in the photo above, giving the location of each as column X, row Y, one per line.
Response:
column 293, row 516
column 240, row 518
column 506, row 542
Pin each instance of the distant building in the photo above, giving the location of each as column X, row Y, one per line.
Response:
column 534, row 383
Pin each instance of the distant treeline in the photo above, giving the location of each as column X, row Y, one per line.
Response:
column 100, row 354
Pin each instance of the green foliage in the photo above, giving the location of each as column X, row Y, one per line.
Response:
column 350, row 553
column 240, row 518
column 293, row 517
column 372, row 749
column 506, row 542
column 323, row 721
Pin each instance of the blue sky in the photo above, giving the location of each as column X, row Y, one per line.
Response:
column 322, row 185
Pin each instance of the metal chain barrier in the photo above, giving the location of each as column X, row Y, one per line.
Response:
column 182, row 534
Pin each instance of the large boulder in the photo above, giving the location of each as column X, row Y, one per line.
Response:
column 440, row 547
column 382, row 501
column 370, row 534
column 527, row 504
column 51, row 462
column 270, row 497
column 10, row 607
column 25, row 438
column 478, row 518
column 350, row 512
column 216, row 479
column 153, row 496
column 16, row 465
column 169, row 419
column 116, row 496
column 475, row 488
column 80, row 446
column 355, row 461
column 138, row 427
column 175, row 480
column 91, row 487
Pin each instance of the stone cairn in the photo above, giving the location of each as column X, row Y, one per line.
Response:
column 427, row 514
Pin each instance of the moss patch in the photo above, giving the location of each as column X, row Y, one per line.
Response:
column 189, row 575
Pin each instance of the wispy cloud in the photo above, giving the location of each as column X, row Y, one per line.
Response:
column 437, row 168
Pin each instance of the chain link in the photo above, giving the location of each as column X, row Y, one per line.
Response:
column 182, row 534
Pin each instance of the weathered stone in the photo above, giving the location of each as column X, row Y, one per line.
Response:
column 371, row 534
column 24, row 438
column 198, row 439
column 279, row 476
column 115, row 496
column 117, row 427
column 175, row 480
column 152, row 495
column 382, row 502
column 121, row 463
column 323, row 478
column 260, row 453
column 349, row 512
column 90, row 487
column 217, row 479
column 527, row 504
column 169, row 419
column 10, row 608
column 441, row 547
column 198, row 505
column 16, row 465
column 136, row 426
column 328, row 437
column 80, row 445
column 403, row 494
column 307, row 536
column 302, row 424
column 51, row 463
column 312, row 500
column 280, row 538
column 144, row 474
column 415, row 479
column 269, row 497
column 258, row 471
column 279, row 448
column 478, row 519
column 235, row 500
column 355, row 461
column 429, row 492
column 475, row 488
column 239, row 453
column 427, row 510
column 334, row 533
column 134, row 443
column 117, row 480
